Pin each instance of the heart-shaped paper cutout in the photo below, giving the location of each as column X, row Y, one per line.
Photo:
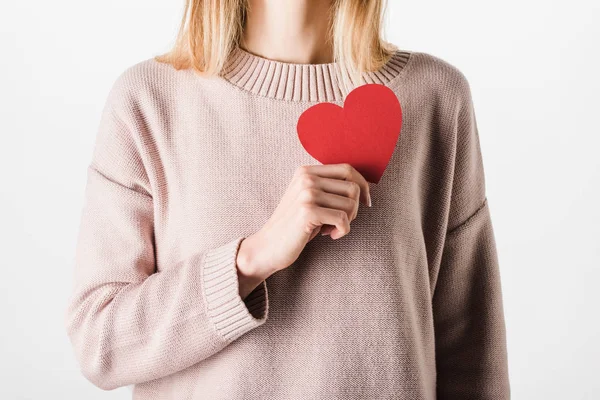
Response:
column 363, row 133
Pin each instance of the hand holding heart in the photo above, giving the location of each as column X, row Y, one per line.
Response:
column 317, row 195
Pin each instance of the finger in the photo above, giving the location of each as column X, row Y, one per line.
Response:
column 349, row 189
column 330, row 200
column 343, row 171
column 315, row 232
column 331, row 216
column 326, row 229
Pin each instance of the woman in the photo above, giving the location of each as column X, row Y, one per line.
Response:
column 200, row 271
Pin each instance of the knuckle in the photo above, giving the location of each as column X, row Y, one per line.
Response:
column 342, row 216
column 345, row 229
column 348, row 168
column 309, row 195
column 307, row 180
column 301, row 170
column 354, row 189
column 345, row 223
column 354, row 210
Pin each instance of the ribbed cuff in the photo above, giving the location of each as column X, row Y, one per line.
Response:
column 231, row 316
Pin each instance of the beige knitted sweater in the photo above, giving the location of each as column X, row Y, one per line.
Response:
column 408, row 305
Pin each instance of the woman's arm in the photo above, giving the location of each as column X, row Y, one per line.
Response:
column 128, row 323
column 471, row 354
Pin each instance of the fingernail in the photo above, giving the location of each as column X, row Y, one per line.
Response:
column 369, row 200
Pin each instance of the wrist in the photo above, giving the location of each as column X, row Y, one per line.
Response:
column 248, row 263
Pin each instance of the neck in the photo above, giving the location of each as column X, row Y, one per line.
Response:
column 289, row 31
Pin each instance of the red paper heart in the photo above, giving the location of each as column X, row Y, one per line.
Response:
column 363, row 133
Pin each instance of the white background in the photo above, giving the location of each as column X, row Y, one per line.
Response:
column 534, row 71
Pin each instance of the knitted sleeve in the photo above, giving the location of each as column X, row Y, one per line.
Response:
column 471, row 354
column 127, row 322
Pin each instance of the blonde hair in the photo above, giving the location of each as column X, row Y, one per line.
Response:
column 210, row 29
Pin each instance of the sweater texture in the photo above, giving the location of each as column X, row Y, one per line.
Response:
column 408, row 305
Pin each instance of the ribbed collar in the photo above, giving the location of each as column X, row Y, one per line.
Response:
column 300, row 82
